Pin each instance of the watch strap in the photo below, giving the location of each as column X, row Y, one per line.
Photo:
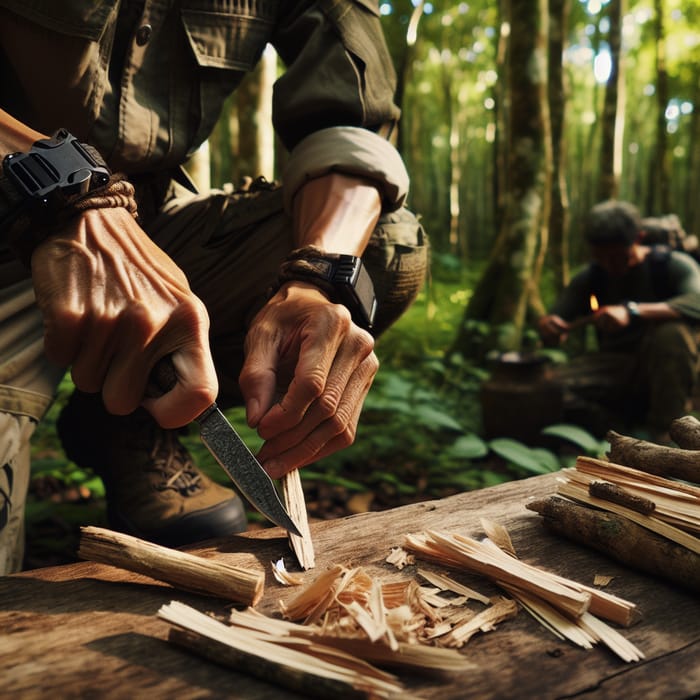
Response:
column 341, row 277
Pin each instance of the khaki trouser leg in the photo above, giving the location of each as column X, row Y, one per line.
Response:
column 27, row 385
column 668, row 364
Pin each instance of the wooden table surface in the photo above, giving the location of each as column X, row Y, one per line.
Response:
column 90, row 631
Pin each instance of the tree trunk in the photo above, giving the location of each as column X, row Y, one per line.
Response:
column 508, row 284
column 559, row 217
column 659, row 171
column 612, row 117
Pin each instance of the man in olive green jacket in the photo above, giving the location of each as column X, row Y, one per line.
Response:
column 141, row 266
column 644, row 369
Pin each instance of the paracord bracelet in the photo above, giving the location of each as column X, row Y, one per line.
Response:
column 24, row 235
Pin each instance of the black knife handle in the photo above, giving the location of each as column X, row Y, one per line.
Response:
column 162, row 379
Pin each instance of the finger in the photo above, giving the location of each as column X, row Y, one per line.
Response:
column 326, row 410
column 318, row 352
column 329, row 439
column 311, row 437
column 258, row 377
column 322, row 373
column 93, row 357
column 196, row 389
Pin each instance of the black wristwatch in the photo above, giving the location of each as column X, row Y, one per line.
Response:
column 48, row 177
column 633, row 311
column 343, row 277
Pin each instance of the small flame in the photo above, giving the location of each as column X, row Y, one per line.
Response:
column 594, row 303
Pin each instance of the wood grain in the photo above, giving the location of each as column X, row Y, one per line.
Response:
column 88, row 630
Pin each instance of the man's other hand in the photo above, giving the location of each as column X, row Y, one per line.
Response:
column 113, row 304
column 307, row 372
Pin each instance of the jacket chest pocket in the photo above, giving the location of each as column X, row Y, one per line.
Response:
column 227, row 39
column 232, row 40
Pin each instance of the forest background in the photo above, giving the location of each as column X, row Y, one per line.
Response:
column 517, row 117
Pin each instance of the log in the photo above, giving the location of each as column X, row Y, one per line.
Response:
column 616, row 494
column 180, row 569
column 652, row 458
column 685, row 432
column 621, row 539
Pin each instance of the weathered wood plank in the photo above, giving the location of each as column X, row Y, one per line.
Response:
column 89, row 629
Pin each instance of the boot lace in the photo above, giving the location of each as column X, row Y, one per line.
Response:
column 174, row 465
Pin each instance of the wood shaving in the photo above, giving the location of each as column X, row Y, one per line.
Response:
column 349, row 603
column 279, row 571
column 400, row 558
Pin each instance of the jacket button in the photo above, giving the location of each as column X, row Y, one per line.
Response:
column 143, row 34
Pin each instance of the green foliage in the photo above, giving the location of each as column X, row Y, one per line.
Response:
column 578, row 436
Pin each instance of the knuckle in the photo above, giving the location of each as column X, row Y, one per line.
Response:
column 315, row 384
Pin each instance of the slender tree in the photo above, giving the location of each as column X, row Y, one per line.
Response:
column 508, row 286
column 559, row 11
column 613, row 116
column 659, row 192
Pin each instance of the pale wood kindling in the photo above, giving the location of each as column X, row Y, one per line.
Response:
column 179, row 569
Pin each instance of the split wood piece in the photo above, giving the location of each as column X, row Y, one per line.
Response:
column 655, row 459
column 445, row 583
column 179, row 569
column 498, row 566
column 676, row 502
column 584, row 632
column 685, row 432
column 309, row 668
column 303, row 547
column 621, row 539
column 539, row 589
column 617, row 494
column 418, row 657
column 574, row 489
column 502, row 609
column 611, row 607
column 498, row 534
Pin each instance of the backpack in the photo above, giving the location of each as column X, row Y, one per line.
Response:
column 668, row 230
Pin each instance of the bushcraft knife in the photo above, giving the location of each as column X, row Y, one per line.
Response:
column 230, row 452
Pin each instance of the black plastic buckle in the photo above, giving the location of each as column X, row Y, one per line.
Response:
column 54, row 170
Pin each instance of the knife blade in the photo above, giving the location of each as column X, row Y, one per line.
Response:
column 229, row 450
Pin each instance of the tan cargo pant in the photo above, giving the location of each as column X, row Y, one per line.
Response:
column 649, row 384
column 230, row 246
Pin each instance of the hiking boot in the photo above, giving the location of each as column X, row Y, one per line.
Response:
column 154, row 490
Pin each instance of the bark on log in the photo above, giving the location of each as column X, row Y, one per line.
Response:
column 621, row 539
column 616, row 494
column 649, row 457
column 180, row 569
column 685, row 432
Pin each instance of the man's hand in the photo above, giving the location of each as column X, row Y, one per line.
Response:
column 552, row 329
column 613, row 318
column 305, row 351
column 113, row 304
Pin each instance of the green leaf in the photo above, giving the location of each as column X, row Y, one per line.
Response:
column 577, row 435
column 518, row 454
column 547, row 458
column 467, row 447
column 432, row 418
